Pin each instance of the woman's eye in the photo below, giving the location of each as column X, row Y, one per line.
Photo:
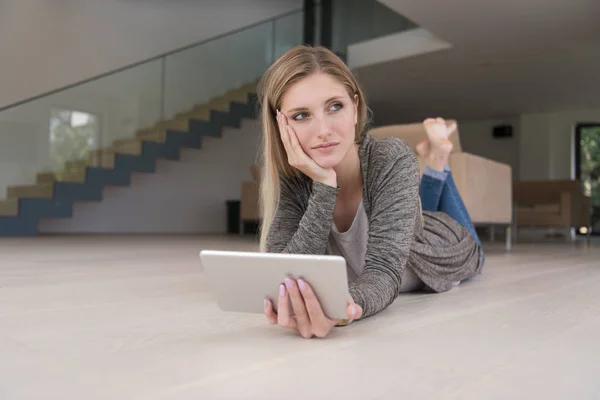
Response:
column 296, row 117
column 337, row 106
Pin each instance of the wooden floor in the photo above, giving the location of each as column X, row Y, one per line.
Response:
column 131, row 318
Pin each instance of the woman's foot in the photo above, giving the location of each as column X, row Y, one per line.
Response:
column 437, row 148
column 436, row 128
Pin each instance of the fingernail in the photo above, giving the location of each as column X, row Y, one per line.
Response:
column 354, row 311
column 281, row 291
column 266, row 303
column 301, row 284
column 289, row 283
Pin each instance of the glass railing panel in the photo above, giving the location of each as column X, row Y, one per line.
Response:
column 40, row 136
column 199, row 74
column 57, row 133
column 289, row 33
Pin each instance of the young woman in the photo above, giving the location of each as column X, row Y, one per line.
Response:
column 329, row 188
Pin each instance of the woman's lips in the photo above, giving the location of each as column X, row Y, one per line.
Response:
column 326, row 148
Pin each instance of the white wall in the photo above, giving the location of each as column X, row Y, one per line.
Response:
column 547, row 143
column 542, row 146
column 534, row 146
column 47, row 45
column 476, row 138
column 186, row 196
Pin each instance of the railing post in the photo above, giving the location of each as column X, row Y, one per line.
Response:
column 327, row 23
column 163, row 77
column 309, row 22
column 273, row 41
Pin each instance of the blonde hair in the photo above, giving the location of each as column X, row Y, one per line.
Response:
column 296, row 64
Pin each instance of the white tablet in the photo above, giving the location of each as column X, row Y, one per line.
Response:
column 240, row 281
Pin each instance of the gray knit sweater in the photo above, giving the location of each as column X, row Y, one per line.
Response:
column 437, row 248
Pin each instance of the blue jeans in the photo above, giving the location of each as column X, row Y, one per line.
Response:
column 439, row 193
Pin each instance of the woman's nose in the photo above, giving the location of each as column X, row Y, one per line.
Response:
column 323, row 126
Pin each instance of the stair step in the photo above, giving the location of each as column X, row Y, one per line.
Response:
column 102, row 158
column 202, row 114
column 76, row 165
column 217, row 104
column 75, row 174
column 128, row 146
column 45, row 177
column 239, row 96
column 9, row 208
column 152, row 135
column 250, row 87
column 37, row 191
column 181, row 124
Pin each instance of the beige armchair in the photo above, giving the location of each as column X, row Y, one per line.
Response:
column 551, row 204
column 484, row 185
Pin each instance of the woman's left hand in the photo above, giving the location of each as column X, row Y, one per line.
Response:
column 308, row 319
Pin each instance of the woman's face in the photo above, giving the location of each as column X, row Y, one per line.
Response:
column 323, row 116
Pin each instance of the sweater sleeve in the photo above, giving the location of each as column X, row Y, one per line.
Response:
column 301, row 229
column 394, row 208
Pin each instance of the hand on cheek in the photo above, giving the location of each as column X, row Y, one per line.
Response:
column 298, row 159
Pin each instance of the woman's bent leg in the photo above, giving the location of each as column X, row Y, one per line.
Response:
column 430, row 189
column 439, row 193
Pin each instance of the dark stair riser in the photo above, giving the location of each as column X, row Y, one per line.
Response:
column 45, row 208
column 18, row 226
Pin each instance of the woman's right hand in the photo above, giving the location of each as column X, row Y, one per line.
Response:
column 297, row 158
column 309, row 318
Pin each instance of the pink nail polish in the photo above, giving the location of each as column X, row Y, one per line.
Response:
column 354, row 311
column 288, row 283
column 281, row 291
column 301, row 284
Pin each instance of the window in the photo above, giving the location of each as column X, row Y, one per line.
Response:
column 73, row 134
column 587, row 167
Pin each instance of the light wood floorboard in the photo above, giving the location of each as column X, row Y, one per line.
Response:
column 132, row 318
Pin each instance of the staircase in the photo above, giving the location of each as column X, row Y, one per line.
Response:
column 53, row 195
column 175, row 75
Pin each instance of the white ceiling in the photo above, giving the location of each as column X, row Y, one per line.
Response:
column 506, row 58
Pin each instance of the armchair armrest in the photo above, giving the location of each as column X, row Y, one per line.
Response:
column 249, row 205
column 485, row 187
column 575, row 209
